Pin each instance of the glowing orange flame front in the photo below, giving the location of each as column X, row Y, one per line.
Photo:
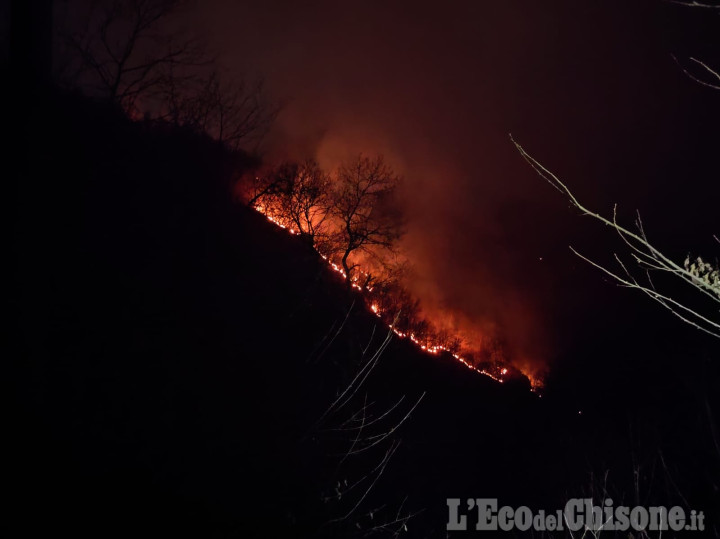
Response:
column 425, row 347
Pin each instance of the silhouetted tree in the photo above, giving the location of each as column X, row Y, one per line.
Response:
column 451, row 342
column 127, row 49
column 381, row 272
column 230, row 113
column 305, row 204
column 362, row 206
column 265, row 189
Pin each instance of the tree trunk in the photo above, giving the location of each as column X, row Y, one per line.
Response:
column 346, row 268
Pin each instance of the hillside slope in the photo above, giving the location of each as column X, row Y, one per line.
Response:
column 179, row 356
column 175, row 345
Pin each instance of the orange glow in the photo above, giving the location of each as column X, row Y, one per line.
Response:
column 425, row 346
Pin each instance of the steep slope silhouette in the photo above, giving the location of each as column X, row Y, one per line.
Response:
column 179, row 358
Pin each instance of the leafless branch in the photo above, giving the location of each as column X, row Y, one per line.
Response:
column 708, row 71
column 363, row 188
column 232, row 113
column 693, row 3
column 702, row 278
column 128, row 49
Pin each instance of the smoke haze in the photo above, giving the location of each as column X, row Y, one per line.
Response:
column 437, row 89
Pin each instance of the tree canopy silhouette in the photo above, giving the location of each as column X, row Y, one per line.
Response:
column 363, row 193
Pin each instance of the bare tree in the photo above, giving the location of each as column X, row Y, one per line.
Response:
column 363, row 208
column 305, row 205
column 128, row 47
column 297, row 196
column 449, row 341
column 264, row 189
column 381, row 272
column 233, row 114
column 341, row 216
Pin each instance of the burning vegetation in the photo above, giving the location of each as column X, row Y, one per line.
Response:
column 350, row 218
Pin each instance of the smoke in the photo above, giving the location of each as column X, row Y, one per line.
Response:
column 436, row 89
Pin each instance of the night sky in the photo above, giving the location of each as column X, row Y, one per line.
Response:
column 589, row 88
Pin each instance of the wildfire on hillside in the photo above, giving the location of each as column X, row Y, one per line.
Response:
column 425, row 344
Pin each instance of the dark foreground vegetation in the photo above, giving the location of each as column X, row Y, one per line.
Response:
column 177, row 358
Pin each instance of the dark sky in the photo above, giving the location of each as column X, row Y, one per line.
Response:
column 588, row 87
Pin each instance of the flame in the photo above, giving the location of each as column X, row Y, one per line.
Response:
column 430, row 348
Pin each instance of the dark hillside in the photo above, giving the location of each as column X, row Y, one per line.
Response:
column 171, row 344
column 176, row 353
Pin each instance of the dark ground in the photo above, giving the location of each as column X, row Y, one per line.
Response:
column 170, row 367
